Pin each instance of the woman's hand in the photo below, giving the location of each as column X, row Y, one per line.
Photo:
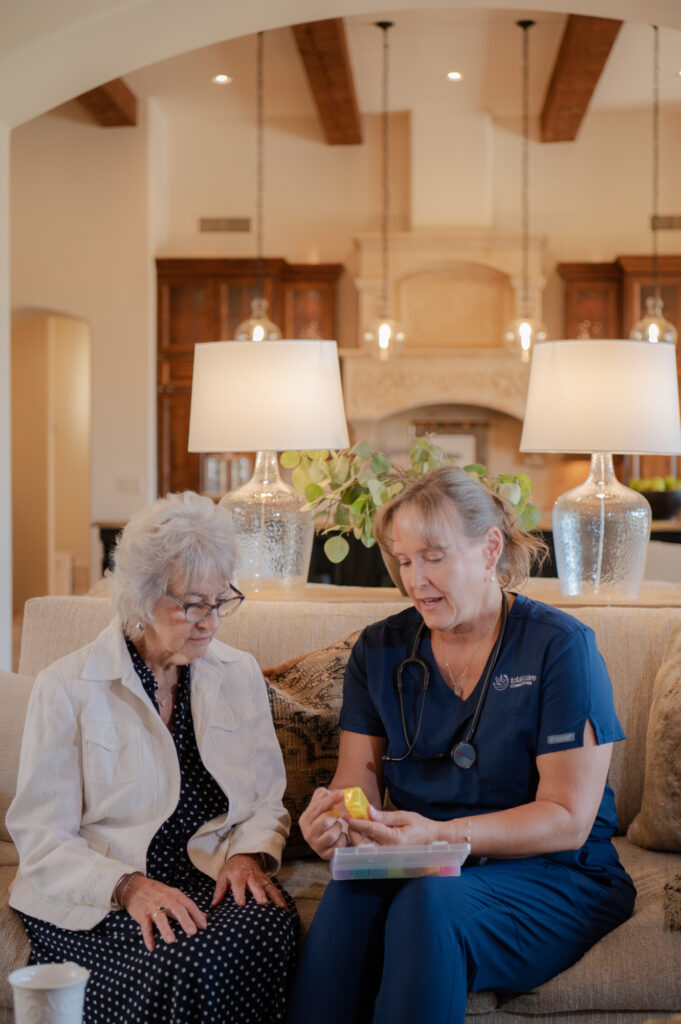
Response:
column 152, row 903
column 243, row 873
column 391, row 828
column 322, row 829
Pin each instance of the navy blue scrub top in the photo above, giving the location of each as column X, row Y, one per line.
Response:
column 549, row 680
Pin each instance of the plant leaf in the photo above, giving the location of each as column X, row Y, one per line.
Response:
column 378, row 492
column 529, row 520
column 511, row 492
column 300, row 478
column 289, row 460
column 363, row 450
column 380, row 464
column 313, row 491
column 336, row 549
column 342, row 516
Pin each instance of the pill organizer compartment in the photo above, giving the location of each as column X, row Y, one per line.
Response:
column 370, row 861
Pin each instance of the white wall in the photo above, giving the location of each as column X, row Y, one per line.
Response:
column 5, row 449
column 80, row 246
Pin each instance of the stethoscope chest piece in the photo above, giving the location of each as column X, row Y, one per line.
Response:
column 464, row 755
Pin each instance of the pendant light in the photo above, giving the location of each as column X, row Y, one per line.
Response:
column 384, row 338
column 653, row 326
column 259, row 327
column 522, row 333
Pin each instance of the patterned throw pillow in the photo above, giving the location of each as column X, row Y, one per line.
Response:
column 305, row 696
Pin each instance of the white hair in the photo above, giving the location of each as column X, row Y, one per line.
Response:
column 182, row 535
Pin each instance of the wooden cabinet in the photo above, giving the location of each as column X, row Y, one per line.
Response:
column 205, row 300
column 604, row 300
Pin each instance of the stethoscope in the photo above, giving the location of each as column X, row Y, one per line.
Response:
column 463, row 753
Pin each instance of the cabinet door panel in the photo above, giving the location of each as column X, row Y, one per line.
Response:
column 178, row 469
column 187, row 313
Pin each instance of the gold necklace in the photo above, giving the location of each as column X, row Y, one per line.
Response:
column 457, row 685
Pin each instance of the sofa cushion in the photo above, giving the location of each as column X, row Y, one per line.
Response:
column 603, row 979
column 657, row 826
column 305, row 696
column 15, row 690
column 14, row 947
column 633, row 642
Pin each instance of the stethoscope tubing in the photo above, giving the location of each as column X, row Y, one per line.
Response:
column 468, row 754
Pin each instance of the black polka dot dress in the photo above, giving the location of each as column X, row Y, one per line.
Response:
column 236, row 970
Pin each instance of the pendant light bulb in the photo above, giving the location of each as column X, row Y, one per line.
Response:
column 521, row 334
column 258, row 326
column 384, row 338
column 653, row 326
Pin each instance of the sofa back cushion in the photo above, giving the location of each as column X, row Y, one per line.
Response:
column 633, row 642
column 272, row 631
column 14, row 693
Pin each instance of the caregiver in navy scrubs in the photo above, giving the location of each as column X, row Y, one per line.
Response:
column 501, row 736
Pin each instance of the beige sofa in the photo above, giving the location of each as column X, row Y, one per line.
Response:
column 633, row 975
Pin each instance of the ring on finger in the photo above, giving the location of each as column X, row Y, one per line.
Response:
column 159, row 910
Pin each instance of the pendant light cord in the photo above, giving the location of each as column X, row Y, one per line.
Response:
column 525, row 170
column 259, row 162
column 385, row 177
column 656, row 157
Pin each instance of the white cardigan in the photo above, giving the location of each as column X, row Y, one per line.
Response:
column 99, row 774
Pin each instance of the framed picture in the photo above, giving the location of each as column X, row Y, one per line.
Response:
column 464, row 442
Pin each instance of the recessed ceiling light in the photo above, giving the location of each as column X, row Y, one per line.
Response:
column 454, row 76
column 221, row 79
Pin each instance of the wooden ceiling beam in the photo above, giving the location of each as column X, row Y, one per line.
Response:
column 324, row 51
column 583, row 52
column 112, row 104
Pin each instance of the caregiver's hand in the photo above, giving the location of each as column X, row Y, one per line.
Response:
column 392, row 828
column 322, row 829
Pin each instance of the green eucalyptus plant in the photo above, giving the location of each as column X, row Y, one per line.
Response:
column 345, row 489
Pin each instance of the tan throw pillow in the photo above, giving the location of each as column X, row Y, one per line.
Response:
column 305, row 696
column 657, row 826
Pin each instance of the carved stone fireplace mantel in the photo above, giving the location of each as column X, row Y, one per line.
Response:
column 490, row 378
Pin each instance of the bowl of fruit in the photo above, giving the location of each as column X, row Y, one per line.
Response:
column 663, row 493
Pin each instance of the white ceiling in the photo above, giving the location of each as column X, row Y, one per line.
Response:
column 485, row 45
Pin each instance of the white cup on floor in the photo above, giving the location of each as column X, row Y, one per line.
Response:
column 49, row 993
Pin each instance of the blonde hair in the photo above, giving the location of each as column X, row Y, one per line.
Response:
column 435, row 495
column 183, row 535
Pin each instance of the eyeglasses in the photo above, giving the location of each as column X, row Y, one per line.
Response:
column 197, row 611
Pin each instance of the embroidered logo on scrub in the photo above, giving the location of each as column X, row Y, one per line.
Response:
column 503, row 682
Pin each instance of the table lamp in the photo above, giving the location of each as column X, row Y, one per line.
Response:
column 599, row 397
column 267, row 397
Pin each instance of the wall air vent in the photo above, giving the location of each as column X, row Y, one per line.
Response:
column 225, row 224
column 672, row 222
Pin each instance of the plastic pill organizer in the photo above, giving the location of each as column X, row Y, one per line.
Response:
column 370, row 861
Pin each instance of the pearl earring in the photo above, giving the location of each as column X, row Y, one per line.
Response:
column 140, row 627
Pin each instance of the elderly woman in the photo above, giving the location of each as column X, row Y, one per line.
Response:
column 489, row 718
column 148, row 815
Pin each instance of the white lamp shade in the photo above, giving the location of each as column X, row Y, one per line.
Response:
column 602, row 396
column 266, row 396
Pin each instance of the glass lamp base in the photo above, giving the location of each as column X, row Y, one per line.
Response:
column 273, row 536
column 600, row 535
